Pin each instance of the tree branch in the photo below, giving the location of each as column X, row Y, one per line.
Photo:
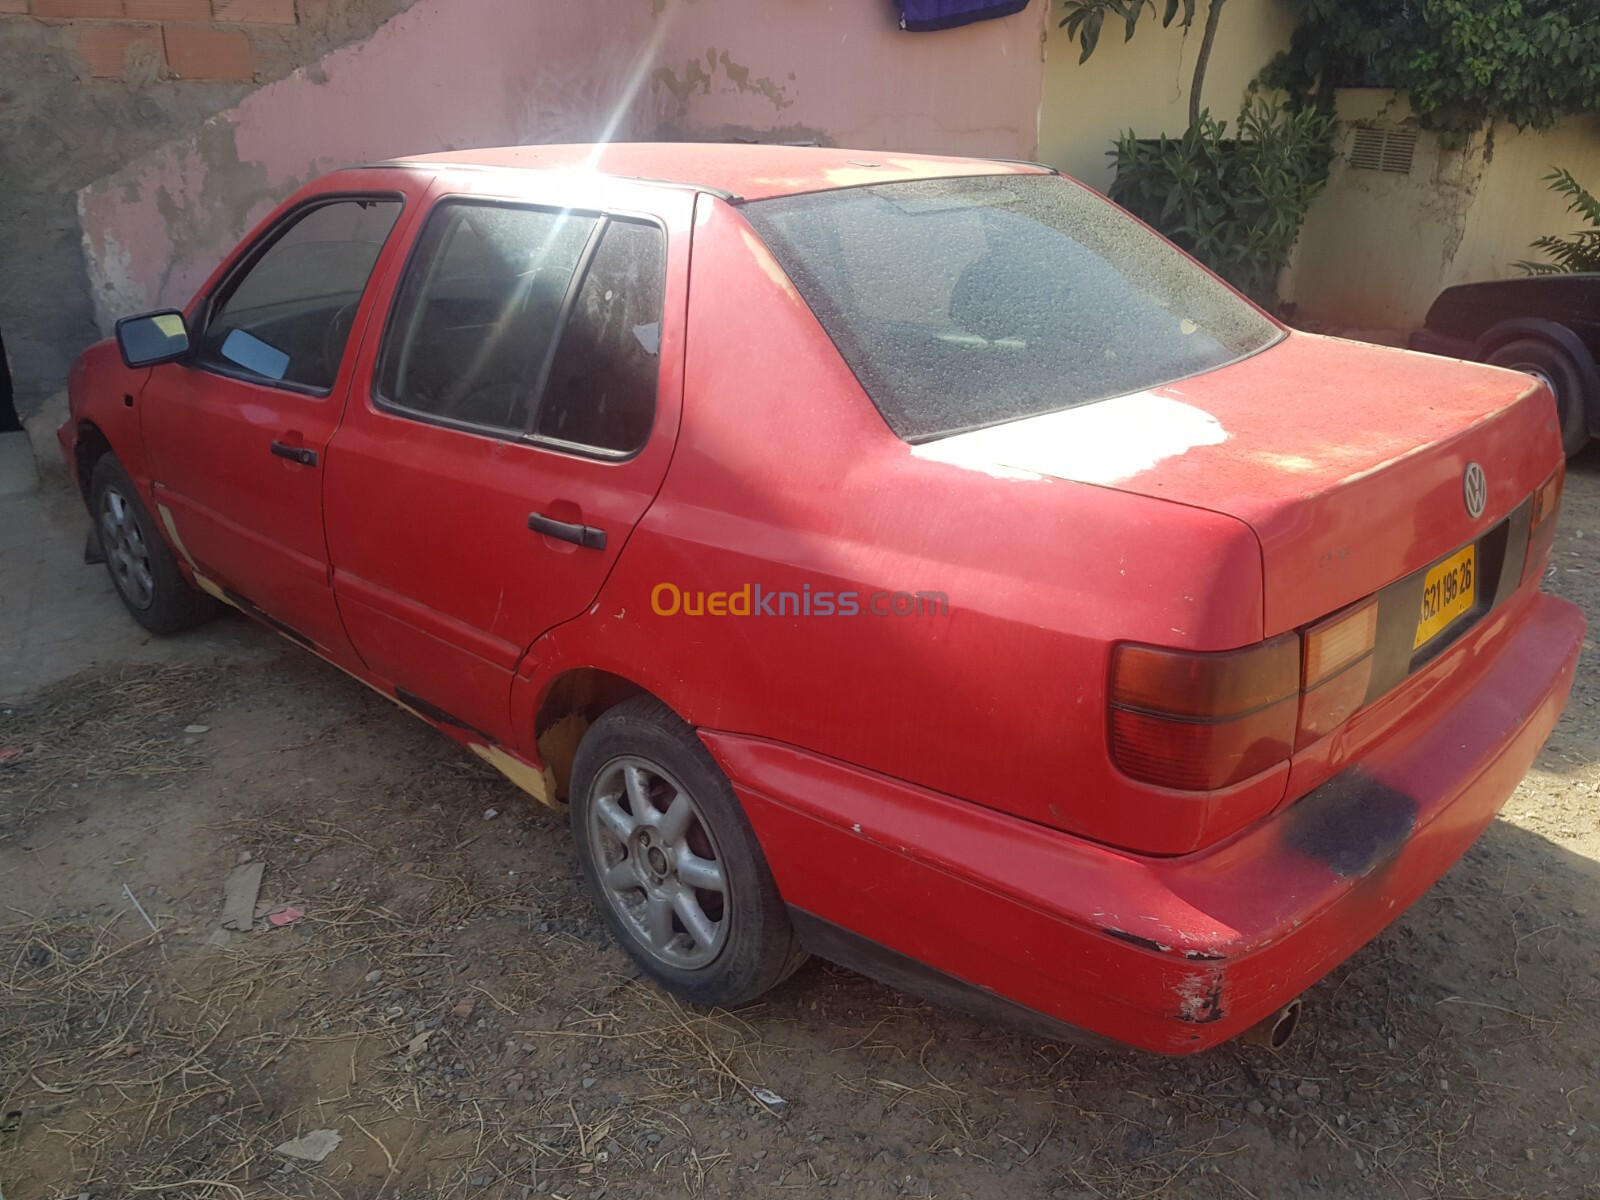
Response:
column 1207, row 40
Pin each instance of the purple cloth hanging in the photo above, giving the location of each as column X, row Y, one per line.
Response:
column 925, row 16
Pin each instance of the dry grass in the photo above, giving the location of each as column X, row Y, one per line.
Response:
column 99, row 728
column 150, row 1060
column 111, row 1064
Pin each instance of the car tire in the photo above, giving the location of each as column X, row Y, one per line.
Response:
column 1554, row 366
column 142, row 567
column 672, row 862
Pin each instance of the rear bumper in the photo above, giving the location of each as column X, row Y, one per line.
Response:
column 1176, row 954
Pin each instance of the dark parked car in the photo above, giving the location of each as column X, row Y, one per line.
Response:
column 1546, row 325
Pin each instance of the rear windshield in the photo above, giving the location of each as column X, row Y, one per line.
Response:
column 961, row 303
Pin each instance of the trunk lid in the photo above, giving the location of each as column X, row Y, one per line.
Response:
column 1347, row 460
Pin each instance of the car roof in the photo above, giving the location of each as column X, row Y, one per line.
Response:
column 735, row 170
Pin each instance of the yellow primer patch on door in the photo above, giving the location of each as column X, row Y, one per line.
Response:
column 200, row 581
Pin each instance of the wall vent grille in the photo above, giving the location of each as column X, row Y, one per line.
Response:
column 1376, row 148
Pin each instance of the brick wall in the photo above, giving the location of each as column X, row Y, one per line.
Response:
column 163, row 39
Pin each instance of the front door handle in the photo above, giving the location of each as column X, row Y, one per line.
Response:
column 300, row 454
column 586, row 536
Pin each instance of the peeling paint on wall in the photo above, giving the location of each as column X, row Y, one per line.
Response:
column 151, row 235
column 850, row 71
column 700, row 75
column 154, row 230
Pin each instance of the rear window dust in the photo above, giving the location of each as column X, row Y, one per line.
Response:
column 963, row 303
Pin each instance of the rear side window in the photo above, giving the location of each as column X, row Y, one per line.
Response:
column 478, row 312
column 288, row 316
column 602, row 385
column 961, row 303
column 530, row 322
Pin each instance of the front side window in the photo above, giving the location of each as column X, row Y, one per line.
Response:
column 530, row 322
column 287, row 318
column 967, row 302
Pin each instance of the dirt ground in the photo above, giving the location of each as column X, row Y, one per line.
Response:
column 449, row 1005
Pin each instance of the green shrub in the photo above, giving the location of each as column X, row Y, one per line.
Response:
column 1577, row 251
column 1462, row 62
column 1236, row 204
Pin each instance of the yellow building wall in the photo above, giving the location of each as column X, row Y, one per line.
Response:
column 1374, row 245
column 1378, row 247
column 1143, row 84
column 1514, row 205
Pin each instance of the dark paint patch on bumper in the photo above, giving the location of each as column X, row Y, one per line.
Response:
column 1354, row 823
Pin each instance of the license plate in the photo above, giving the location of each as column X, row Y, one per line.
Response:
column 1450, row 589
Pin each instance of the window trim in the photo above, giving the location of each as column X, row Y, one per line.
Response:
column 245, row 263
column 603, row 218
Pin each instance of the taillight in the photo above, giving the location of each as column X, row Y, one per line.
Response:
column 1542, row 525
column 1198, row 722
column 1338, row 669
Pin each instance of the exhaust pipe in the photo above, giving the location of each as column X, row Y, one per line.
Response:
column 1274, row 1033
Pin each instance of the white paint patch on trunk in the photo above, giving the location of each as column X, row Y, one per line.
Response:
column 1105, row 443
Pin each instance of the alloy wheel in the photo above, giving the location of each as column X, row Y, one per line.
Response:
column 659, row 866
column 126, row 553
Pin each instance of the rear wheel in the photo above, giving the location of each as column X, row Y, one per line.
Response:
column 1553, row 367
column 142, row 567
column 668, row 854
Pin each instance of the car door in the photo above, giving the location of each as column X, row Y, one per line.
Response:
column 519, row 420
column 235, row 434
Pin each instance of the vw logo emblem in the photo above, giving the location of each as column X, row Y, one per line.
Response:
column 1474, row 490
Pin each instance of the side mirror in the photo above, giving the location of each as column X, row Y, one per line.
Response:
column 152, row 338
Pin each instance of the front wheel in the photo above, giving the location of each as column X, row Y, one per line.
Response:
column 143, row 569
column 1554, row 368
column 668, row 854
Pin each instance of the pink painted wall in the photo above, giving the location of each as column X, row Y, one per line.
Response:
column 844, row 70
column 462, row 73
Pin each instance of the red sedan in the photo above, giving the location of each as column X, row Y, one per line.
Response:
column 913, row 561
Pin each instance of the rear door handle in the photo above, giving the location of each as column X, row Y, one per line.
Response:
column 586, row 536
column 300, row 454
